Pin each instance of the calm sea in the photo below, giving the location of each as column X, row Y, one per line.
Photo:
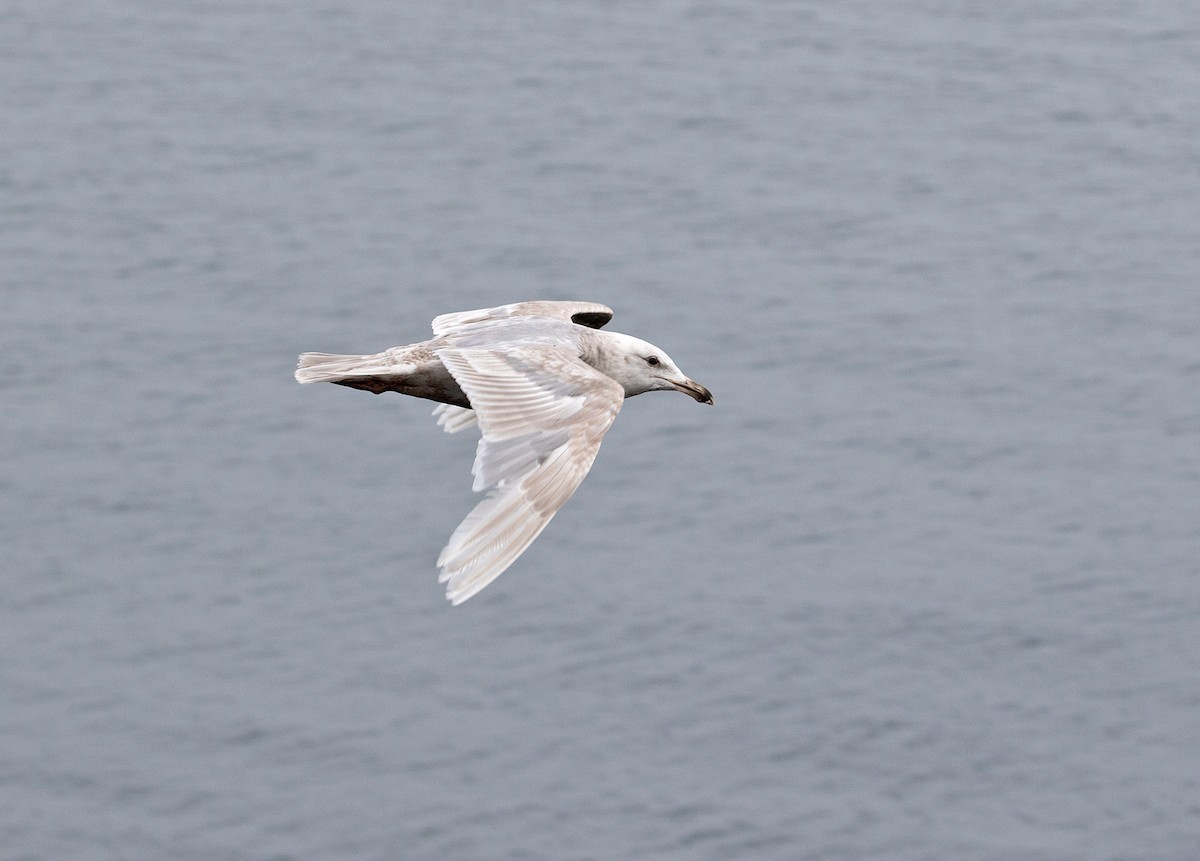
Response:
column 924, row 584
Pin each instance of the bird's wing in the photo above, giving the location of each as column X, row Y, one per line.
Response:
column 590, row 314
column 543, row 413
column 452, row 419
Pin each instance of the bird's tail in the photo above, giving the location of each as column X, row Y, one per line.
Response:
column 332, row 368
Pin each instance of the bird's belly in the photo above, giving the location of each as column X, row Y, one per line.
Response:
column 433, row 382
column 427, row 378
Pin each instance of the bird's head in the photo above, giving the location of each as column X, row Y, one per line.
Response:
column 639, row 366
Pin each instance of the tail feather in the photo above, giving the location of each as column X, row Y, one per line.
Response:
column 332, row 368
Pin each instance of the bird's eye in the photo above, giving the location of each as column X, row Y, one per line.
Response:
column 652, row 360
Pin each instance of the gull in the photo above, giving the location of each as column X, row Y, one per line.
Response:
column 543, row 384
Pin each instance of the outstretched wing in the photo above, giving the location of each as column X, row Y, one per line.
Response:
column 543, row 413
column 588, row 314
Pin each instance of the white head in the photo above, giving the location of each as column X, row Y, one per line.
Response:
column 639, row 366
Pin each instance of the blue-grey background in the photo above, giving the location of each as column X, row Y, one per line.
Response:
column 922, row 585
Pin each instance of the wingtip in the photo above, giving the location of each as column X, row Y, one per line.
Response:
column 463, row 592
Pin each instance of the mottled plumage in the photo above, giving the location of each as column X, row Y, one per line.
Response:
column 543, row 384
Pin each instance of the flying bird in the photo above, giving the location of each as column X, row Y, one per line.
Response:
column 543, row 383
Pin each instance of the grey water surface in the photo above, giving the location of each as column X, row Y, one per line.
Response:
column 924, row 583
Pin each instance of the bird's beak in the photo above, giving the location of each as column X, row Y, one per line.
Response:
column 694, row 389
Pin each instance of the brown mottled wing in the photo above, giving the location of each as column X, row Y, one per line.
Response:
column 543, row 413
column 590, row 314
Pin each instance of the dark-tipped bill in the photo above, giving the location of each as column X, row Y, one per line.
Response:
column 695, row 390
